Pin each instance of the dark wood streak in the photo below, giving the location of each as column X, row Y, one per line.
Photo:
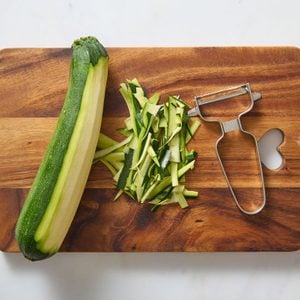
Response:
column 144, row 217
column 117, row 245
column 86, row 216
column 60, row 53
column 32, row 61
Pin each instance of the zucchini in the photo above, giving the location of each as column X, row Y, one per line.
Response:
column 60, row 181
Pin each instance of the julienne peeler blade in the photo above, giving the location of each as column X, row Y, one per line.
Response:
column 193, row 112
column 230, row 126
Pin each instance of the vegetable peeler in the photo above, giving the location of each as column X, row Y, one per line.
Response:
column 233, row 134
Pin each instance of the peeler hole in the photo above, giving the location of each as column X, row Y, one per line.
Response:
column 268, row 146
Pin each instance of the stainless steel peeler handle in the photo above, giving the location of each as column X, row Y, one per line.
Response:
column 235, row 125
column 229, row 126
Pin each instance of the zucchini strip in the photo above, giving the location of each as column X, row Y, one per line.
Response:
column 155, row 146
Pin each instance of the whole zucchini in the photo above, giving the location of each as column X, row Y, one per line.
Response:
column 60, row 181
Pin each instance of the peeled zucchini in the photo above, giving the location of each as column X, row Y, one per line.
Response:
column 59, row 184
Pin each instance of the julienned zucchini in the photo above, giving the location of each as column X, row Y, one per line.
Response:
column 56, row 191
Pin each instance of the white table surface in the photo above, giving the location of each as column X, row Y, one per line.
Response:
column 151, row 275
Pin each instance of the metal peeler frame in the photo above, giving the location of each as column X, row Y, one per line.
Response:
column 232, row 125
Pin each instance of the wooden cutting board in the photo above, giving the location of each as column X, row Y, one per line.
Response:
column 33, row 83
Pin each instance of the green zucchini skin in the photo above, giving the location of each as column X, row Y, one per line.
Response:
column 86, row 51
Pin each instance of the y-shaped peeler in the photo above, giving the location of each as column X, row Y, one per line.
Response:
column 230, row 126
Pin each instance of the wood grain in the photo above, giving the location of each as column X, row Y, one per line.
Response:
column 33, row 83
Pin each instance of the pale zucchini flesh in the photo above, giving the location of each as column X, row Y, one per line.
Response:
column 58, row 187
column 59, row 214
